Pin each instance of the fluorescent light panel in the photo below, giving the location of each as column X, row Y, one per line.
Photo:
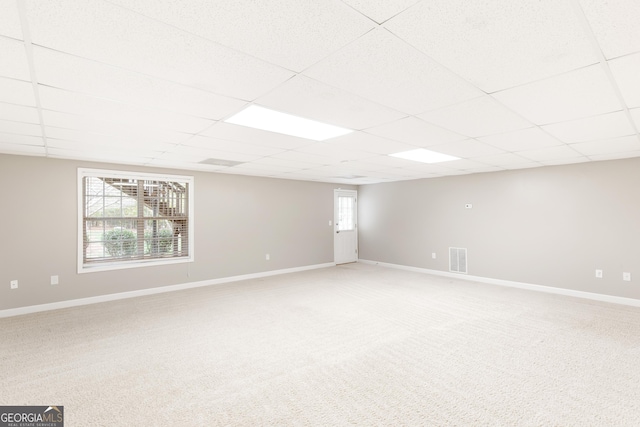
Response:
column 258, row 117
column 424, row 156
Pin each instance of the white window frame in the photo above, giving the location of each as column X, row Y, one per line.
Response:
column 123, row 264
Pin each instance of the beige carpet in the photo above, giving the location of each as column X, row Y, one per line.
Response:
column 351, row 345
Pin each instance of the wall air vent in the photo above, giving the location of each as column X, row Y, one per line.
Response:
column 458, row 260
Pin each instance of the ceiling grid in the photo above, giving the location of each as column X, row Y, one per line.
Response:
column 499, row 85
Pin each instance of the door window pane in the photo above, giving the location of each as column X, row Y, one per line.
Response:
column 346, row 213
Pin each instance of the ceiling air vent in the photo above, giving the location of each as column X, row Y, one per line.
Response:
column 351, row 176
column 221, row 162
column 458, row 260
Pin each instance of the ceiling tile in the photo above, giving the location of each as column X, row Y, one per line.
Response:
column 239, row 133
column 349, row 174
column 92, row 78
column 497, row 44
column 526, row 139
column 599, row 127
column 12, row 138
column 414, row 131
column 14, row 59
column 317, row 172
column 141, row 133
column 407, row 167
column 195, row 154
column 615, row 156
column 362, row 167
column 103, row 155
column 392, row 162
column 304, row 175
column 87, row 140
column 370, row 68
column 608, row 146
column 264, row 169
column 463, row 164
column 410, row 173
column 231, row 146
column 380, row 10
column 21, row 128
column 100, row 146
column 272, row 162
column 258, row 170
column 331, row 171
column 502, row 160
column 19, row 113
column 23, row 150
column 335, row 152
column 477, row 117
column 625, row 72
column 484, row 169
column 565, row 161
column 311, row 99
column 176, row 164
column 16, row 92
column 635, row 114
column 112, row 111
column 116, row 36
column 581, row 93
column 290, row 33
column 467, row 148
column 10, row 19
column 298, row 156
column 615, row 25
column 550, row 153
column 369, row 143
column 524, row 166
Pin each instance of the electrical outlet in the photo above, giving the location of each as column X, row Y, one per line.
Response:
column 14, row 284
column 626, row 277
column 468, row 206
column 54, row 280
column 599, row 274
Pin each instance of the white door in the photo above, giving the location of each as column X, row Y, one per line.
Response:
column 345, row 237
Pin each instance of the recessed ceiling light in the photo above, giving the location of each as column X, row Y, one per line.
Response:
column 424, row 156
column 274, row 121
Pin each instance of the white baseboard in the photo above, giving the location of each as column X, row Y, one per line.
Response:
column 151, row 291
column 540, row 288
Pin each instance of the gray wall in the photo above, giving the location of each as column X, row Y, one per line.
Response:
column 550, row 226
column 238, row 220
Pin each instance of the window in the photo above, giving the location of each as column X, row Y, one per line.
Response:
column 130, row 219
column 346, row 213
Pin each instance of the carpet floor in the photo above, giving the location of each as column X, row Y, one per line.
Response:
column 349, row 345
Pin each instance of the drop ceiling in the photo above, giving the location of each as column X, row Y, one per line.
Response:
column 499, row 84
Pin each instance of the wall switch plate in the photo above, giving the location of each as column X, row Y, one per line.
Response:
column 599, row 274
column 14, row 284
column 433, row 255
column 468, row 206
column 626, row 277
column 267, row 257
column 54, row 280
